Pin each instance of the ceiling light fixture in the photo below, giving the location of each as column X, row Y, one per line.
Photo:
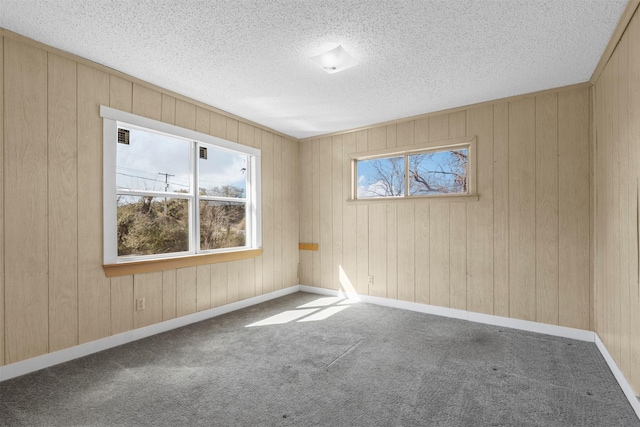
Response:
column 334, row 61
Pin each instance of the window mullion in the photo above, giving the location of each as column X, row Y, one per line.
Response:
column 406, row 176
column 194, row 224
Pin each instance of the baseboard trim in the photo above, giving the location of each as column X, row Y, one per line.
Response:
column 50, row 359
column 525, row 325
column 624, row 384
column 541, row 328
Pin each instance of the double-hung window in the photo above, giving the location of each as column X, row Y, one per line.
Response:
column 171, row 192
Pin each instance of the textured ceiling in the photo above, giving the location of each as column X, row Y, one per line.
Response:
column 250, row 58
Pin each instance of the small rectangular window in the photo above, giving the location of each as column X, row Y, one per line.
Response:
column 443, row 168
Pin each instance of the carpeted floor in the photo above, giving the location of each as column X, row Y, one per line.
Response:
column 364, row 365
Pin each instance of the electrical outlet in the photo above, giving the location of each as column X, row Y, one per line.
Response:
column 140, row 304
column 370, row 280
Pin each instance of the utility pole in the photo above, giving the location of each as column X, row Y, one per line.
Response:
column 166, row 188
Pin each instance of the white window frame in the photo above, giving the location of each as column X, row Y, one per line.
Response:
column 446, row 145
column 112, row 119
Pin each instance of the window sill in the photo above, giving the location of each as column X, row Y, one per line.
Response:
column 149, row 266
column 417, row 199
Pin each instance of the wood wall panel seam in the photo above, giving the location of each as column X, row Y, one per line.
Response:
column 626, row 17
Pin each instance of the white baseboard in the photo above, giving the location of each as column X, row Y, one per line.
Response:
column 558, row 331
column 50, row 359
column 46, row 360
column 624, row 384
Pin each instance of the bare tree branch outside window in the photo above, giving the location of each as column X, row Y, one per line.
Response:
column 436, row 172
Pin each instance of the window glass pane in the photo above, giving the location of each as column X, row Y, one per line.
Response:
column 152, row 225
column 222, row 224
column 222, row 174
column 380, row 177
column 438, row 172
column 153, row 162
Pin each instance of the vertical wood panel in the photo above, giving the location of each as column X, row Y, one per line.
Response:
column 246, row 279
column 168, row 114
column 295, row 206
column 547, row 209
column 422, row 252
column 438, row 254
column 458, row 229
column 480, row 216
column 267, row 213
column 185, row 114
column 338, row 200
column 169, row 294
column 325, row 213
column 406, row 252
column 94, row 309
column 232, row 130
column 258, row 262
column 634, row 137
column 122, row 304
column 259, row 285
column 405, row 134
column 186, row 291
column 623, row 206
column 62, row 203
column 392, row 251
column 25, row 183
column 573, row 195
column 287, row 244
column 306, row 212
column 349, row 263
column 421, row 129
column 615, row 201
column 2, row 287
column 522, row 209
column 218, row 125
column 500, row 210
column 149, row 287
column 233, row 279
column 203, row 287
column 315, row 214
column 120, row 93
column 378, row 250
column 362, row 230
column 203, row 119
column 439, row 229
column 147, row 102
column 277, row 214
column 218, row 284
column 438, row 129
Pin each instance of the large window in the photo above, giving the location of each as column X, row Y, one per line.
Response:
column 171, row 192
column 443, row 168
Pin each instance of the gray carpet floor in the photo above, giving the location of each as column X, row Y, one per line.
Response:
column 364, row 365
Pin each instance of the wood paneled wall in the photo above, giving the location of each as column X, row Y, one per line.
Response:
column 53, row 291
column 520, row 251
column 617, row 175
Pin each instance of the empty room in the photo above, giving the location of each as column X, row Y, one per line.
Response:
column 346, row 213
